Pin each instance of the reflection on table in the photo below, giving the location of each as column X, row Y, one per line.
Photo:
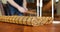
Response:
column 9, row 27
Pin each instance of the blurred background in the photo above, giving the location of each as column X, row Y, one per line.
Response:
column 57, row 10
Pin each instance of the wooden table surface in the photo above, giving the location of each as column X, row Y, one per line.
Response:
column 8, row 27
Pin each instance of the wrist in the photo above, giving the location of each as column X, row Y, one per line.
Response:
column 19, row 7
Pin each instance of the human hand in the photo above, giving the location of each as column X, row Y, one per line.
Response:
column 23, row 10
column 26, row 9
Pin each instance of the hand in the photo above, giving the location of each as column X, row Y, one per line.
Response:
column 26, row 9
column 21, row 9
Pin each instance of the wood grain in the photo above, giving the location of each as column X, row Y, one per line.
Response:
column 7, row 27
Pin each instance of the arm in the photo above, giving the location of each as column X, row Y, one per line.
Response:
column 25, row 4
column 21, row 9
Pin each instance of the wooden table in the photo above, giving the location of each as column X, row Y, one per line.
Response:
column 8, row 27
